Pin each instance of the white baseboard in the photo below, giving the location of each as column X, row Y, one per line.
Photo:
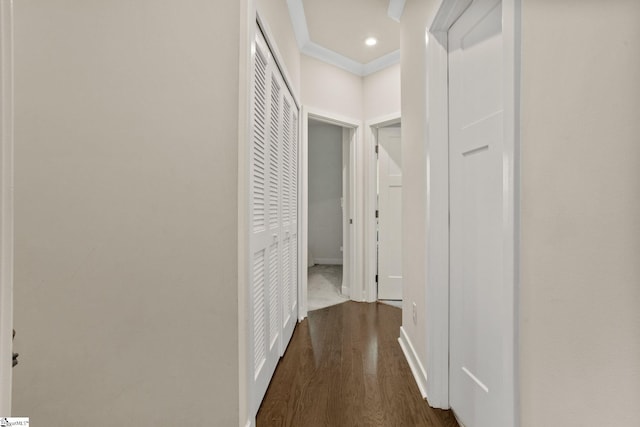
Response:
column 419, row 374
column 251, row 422
column 328, row 261
column 457, row 419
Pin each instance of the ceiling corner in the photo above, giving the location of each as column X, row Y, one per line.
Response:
column 396, row 7
column 381, row 63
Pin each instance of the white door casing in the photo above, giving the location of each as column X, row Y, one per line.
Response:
column 389, row 214
column 6, row 204
column 478, row 189
column 349, row 199
column 273, row 201
column 344, row 205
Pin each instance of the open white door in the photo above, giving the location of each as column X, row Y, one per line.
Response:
column 478, row 190
column 389, row 214
column 6, row 206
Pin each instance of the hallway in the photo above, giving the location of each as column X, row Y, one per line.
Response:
column 344, row 367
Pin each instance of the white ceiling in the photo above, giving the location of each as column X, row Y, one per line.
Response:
column 334, row 31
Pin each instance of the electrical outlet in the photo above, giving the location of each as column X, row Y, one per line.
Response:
column 415, row 314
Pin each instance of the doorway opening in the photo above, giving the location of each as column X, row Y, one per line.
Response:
column 328, row 214
column 329, row 273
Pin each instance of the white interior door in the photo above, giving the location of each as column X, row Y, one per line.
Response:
column 273, row 204
column 389, row 214
column 477, row 197
column 265, row 239
column 289, row 224
column 6, row 206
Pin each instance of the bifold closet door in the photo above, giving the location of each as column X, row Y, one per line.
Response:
column 265, row 244
column 289, row 204
column 273, row 275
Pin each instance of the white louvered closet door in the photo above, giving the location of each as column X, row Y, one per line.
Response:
column 273, row 204
column 264, row 274
column 289, row 204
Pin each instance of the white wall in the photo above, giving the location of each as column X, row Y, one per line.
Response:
column 381, row 93
column 325, row 191
column 329, row 88
column 580, row 291
column 414, row 169
column 6, row 204
column 126, row 267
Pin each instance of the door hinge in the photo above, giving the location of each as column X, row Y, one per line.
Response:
column 376, row 278
column 377, row 213
column 377, row 148
column 350, row 221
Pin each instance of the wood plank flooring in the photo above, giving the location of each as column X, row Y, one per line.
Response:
column 344, row 367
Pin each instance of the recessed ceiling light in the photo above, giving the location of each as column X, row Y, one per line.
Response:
column 371, row 41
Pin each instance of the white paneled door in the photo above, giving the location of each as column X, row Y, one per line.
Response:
column 477, row 203
column 389, row 214
column 273, row 181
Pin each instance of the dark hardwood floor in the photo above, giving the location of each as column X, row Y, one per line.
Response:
column 344, row 367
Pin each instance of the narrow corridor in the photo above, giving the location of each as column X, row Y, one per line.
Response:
column 344, row 367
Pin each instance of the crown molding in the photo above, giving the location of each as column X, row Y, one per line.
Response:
column 396, row 7
column 299, row 22
column 327, row 55
column 385, row 61
column 314, row 50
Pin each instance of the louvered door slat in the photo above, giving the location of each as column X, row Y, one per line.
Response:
column 289, row 219
column 259, row 311
column 274, row 156
column 258, row 145
column 286, row 164
column 294, row 208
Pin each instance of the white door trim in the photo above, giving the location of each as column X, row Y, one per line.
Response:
column 355, row 259
column 6, row 203
column 370, row 179
column 437, row 292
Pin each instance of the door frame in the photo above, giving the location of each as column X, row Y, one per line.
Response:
column 6, row 203
column 370, row 201
column 437, row 152
column 354, row 232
